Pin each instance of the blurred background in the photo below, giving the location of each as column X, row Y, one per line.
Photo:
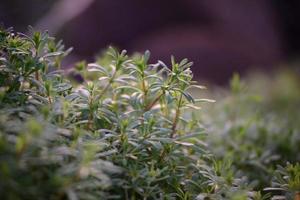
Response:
column 220, row 36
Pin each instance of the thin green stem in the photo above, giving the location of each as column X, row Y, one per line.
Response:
column 90, row 118
column 149, row 106
column 108, row 84
column 176, row 118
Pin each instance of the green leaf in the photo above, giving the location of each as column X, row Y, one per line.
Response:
column 94, row 67
column 62, row 87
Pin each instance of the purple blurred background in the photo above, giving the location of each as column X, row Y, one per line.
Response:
column 220, row 36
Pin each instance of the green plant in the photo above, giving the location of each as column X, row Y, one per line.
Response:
column 255, row 123
column 40, row 158
column 287, row 180
column 133, row 130
column 121, row 134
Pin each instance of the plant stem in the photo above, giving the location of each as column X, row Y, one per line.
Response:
column 90, row 119
column 175, row 120
column 145, row 90
column 49, row 99
column 108, row 84
column 153, row 102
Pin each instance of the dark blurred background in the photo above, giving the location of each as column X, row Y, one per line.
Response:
column 220, row 36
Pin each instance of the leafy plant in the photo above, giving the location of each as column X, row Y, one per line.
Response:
column 39, row 157
column 133, row 130
column 287, row 180
column 255, row 124
column 121, row 134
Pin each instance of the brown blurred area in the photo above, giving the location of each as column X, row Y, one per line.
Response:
column 220, row 36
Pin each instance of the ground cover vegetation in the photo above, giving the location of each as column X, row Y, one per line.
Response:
column 122, row 128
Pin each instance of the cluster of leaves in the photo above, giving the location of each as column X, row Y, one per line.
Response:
column 132, row 130
column 127, row 132
column 40, row 158
column 256, row 126
column 286, row 181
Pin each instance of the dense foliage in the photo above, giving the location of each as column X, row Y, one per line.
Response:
column 255, row 125
column 130, row 130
